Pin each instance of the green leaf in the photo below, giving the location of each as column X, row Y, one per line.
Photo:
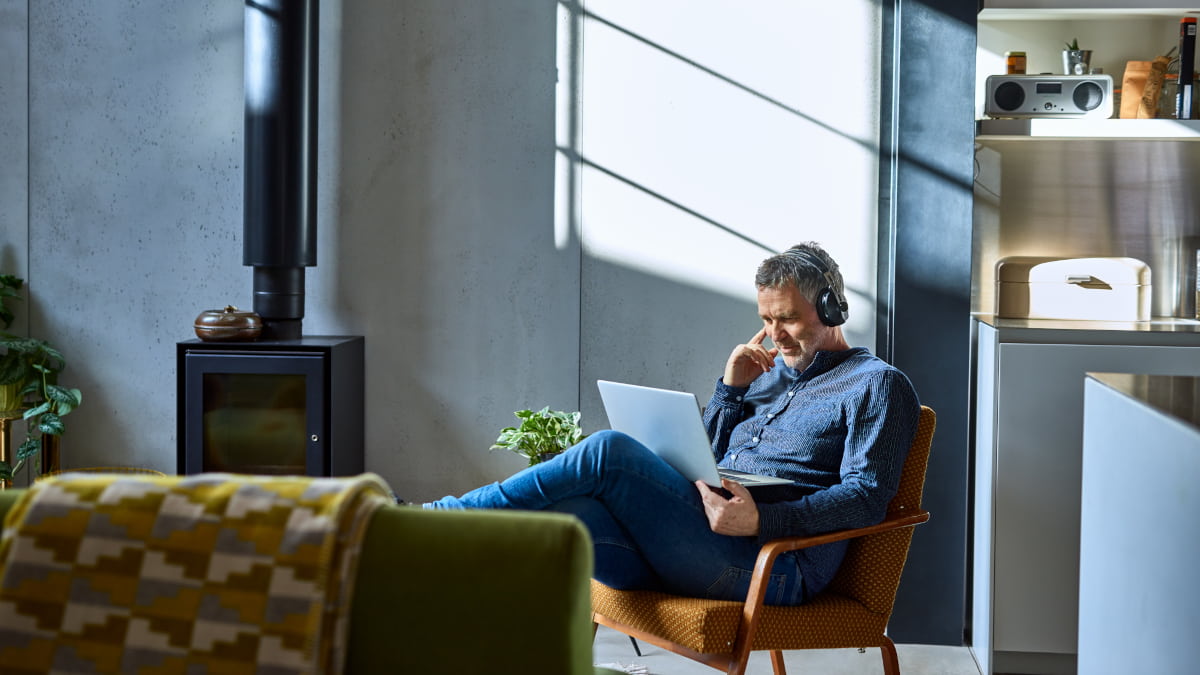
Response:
column 52, row 356
column 51, row 423
column 29, row 448
column 12, row 371
column 65, row 399
column 41, row 409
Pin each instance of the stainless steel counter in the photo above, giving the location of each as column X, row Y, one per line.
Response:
column 1156, row 332
column 1176, row 396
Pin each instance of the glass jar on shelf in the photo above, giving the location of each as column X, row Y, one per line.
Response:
column 1014, row 63
column 1166, row 99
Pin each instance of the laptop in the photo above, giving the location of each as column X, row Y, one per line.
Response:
column 669, row 423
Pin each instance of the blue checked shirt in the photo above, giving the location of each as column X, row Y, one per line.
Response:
column 840, row 430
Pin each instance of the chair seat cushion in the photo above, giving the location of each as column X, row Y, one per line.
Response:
column 710, row 626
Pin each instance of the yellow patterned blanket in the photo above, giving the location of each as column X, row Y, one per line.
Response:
column 210, row 573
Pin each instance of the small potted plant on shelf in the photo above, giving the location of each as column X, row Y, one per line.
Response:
column 1076, row 61
column 541, row 435
column 29, row 387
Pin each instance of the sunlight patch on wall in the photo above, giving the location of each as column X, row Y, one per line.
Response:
column 702, row 137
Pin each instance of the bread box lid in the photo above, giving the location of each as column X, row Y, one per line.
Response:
column 1095, row 272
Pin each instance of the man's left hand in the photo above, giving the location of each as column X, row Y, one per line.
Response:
column 736, row 516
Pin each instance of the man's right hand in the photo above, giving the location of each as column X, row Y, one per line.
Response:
column 748, row 361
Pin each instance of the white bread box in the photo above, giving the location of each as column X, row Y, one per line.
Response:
column 1089, row 289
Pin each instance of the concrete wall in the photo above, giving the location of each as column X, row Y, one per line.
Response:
column 14, row 140
column 516, row 197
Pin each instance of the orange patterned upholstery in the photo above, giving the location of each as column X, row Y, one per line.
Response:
column 852, row 612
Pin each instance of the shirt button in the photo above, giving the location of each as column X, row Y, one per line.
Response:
column 755, row 439
column 739, row 398
column 770, row 415
column 791, row 394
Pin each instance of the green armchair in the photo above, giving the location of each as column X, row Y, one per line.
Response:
column 468, row 592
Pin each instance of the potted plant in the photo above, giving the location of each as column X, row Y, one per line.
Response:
column 1076, row 61
column 541, row 434
column 29, row 387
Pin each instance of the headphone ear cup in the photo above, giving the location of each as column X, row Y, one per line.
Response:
column 829, row 310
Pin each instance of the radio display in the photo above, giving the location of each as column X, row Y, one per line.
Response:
column 1049, row 87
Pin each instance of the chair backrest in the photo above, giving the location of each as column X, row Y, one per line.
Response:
column 870, row 572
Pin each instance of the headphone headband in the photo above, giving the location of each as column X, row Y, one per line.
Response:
column 831, row 306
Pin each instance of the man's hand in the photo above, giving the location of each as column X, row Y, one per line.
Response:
column 748, row 361
column 736, row 516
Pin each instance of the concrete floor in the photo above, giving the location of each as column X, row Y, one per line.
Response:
column 613, row 647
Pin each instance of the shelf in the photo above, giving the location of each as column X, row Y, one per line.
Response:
column 1060, row 10
column 1081, row 14
column 1019, row 129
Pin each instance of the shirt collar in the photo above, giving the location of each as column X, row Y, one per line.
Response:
column 825, row 361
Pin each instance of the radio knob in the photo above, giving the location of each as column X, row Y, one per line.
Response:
column 1048, row 105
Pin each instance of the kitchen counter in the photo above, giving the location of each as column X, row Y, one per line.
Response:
column 1139, row 506
column 1175, row 396
column 1162, row 331
column 1029, row 438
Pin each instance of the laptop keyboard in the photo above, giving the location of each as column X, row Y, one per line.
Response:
column 739, row 476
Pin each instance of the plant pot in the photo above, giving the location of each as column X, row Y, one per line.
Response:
column 1077, row 61
column 8, row 449
column 11, row 403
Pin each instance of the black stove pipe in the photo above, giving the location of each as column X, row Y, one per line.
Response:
column 280, row 220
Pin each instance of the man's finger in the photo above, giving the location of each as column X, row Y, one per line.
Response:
column 759, row 336
column 736, row 488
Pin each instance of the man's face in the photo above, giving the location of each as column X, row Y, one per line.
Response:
column 792, row 323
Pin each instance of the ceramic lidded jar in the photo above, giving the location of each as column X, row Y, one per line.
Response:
column 216, row 325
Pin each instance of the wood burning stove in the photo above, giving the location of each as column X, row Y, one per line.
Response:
column 289, row 403
column 271, row 407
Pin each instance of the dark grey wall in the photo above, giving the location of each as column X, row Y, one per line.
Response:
column 925, row 283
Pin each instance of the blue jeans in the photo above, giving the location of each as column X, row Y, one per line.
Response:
column 646, row 520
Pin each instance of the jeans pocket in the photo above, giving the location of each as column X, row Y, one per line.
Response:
column 734, row 583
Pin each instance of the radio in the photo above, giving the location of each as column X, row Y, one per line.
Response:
column 1069, row 96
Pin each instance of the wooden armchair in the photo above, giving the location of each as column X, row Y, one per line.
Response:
column 852, row 611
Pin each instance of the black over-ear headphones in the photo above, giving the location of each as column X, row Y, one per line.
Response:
column 831, row 306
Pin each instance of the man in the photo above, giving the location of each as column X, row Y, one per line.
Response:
column 835, row 420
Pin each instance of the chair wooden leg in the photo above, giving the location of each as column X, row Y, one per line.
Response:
column 891, row 661
column 777, row 662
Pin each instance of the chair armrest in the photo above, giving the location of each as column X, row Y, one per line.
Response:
column 892, row 522
column 756, row 595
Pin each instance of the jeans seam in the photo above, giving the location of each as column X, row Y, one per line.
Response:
column 779, row 581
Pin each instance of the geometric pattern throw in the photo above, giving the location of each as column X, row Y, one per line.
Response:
column 206, row 573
